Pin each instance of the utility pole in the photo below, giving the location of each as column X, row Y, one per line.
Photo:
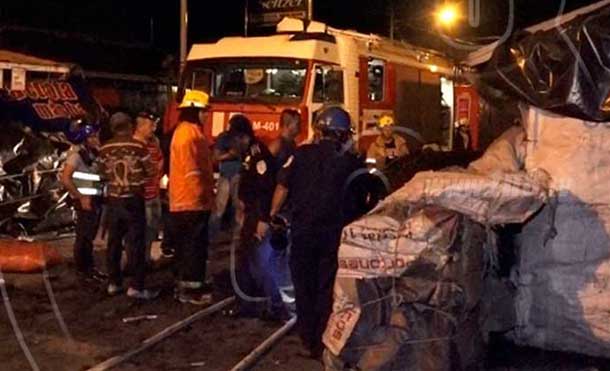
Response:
column 246, row 19
column 391, row 19
column 151, row 35
column 183, row 32
column 310, row 10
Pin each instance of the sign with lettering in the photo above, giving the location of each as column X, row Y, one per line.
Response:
column 18, row 79
column 268, row 13
column 50, row 105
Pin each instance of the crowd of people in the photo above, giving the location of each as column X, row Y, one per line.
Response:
column 296, row 198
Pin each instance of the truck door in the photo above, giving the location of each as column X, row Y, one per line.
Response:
column 377, row 97
column 328, row 88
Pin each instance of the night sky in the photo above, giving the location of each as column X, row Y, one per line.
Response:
column 133, row 20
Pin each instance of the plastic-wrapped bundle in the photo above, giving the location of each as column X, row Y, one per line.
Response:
column 565, row 70
column 410, row 274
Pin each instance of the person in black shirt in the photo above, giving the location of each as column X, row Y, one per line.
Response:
column 284, row 146
column 316, row 181
column 255, row 191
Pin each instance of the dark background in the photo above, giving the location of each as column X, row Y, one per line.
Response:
column 157, row 23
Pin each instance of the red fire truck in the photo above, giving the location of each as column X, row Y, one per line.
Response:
column 308, row 68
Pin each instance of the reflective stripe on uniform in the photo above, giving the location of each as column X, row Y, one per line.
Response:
column 86, row 176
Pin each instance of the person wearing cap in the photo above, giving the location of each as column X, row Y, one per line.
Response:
column 191, row 196
column 79, row 170
column 146, row 125
column 388, row 146
column 316, row 183
column 125, row 163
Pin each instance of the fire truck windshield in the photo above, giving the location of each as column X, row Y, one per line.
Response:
column 256, row 80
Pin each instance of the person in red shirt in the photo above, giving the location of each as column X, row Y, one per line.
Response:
column 146, row 125
column 191, row 196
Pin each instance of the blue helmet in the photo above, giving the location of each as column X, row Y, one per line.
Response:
column 80, row 131
column 334, row 119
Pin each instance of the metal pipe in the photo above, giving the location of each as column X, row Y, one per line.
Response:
column 250, row 359
column 16, row 329
column 150, row 342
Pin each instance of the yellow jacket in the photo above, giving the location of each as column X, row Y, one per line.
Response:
column 378, row 151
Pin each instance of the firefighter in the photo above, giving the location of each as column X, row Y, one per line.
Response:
column 191, row 196
column 388, row 146
column 316, row 180
column 81, row 180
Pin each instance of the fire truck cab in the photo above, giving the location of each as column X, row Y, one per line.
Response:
column 307, row 69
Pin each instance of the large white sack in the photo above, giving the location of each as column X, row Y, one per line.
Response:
column 417, row 246
column 490, row 199
column 563, row 270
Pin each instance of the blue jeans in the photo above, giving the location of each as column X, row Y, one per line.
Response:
column 270, row 275
column 226, row 189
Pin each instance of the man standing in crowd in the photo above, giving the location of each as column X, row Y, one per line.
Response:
column 79, row 170
column 316, row 177
column 228, row 155
column 146, row 125
column 191, row 197
column 388, row 146
column 283, row 147
column 125, row 164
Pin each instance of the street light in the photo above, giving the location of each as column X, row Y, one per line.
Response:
column 447, row 15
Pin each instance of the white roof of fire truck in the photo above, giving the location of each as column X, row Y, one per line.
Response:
column 279, row 46
column 312, row 46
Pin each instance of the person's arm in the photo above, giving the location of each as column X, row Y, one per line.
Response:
column 226, row 149
column 375, row 153
column 231, row 154
column 68, row 183
column 279, row 198
column 160, row 158
column 403, row 148
column 147, row 164
column 284, row 177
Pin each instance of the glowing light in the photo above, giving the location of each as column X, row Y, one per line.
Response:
column 447, row 15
